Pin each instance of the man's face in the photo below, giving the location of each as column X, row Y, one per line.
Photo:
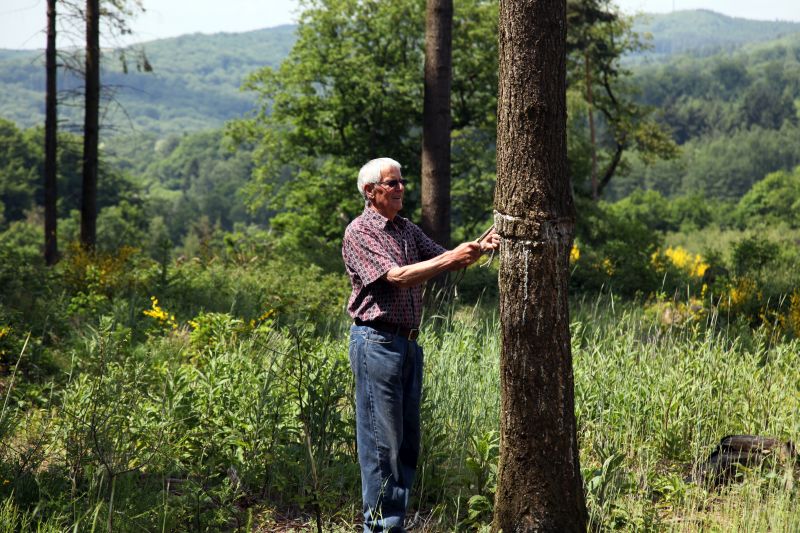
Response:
column 387, row 199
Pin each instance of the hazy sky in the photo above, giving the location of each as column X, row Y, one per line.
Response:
column 22, row 22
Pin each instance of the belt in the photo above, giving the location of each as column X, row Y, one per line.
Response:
column 395, row 329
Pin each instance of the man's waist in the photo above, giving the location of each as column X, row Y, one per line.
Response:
column 388, row 327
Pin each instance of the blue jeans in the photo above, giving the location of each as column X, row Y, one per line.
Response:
column 388, row 372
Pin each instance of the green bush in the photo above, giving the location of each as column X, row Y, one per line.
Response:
column 615, row 250
column 774, row 199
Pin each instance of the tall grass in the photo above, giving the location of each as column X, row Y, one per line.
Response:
column 661, row 398
column 652, row 402
column 230, row 427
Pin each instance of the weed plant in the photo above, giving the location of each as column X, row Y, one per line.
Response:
column 225, row 424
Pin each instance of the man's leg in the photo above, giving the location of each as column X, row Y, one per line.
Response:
column 412, row 396
column 377, row 361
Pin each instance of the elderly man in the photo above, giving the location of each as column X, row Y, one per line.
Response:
column 388, row 258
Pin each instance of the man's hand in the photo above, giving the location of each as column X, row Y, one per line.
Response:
column 463, row 255
column 490, row 242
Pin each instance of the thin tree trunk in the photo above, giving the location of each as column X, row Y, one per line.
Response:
column 592, row 133
column 50, row 142
column 91, row 126
column 436, row 121
column 539, row 480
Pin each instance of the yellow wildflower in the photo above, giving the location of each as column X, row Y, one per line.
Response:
column 574, row 254
column 692, row 264
column 679, row 257
column 155, row 311
column 268, row 313
column 159, row 314
column 264, row 319
column 742, row 291
column 700, row 267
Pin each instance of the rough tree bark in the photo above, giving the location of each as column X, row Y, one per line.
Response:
column 436, row 121
column 50, row 141
column 91, row 126
column 539, row 480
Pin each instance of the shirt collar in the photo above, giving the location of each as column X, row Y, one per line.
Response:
column 374, row 218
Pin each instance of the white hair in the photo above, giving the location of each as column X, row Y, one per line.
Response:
column 371, row 173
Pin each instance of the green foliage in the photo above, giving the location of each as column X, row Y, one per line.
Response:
column 752, row 275
column 734, row 114
column 598, row 37
column 751, row 255
column 13, row 519
column 774, row 199
column 218, row 416
column 28, row 294
column 319, row 122
column 482, row 465
column 21, row 183
column 349, row 91
column 719, row 167
column 19, row 164
column 615, row 250
column 669, row 214
column 188, row 177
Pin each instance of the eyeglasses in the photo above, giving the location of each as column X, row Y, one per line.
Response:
column 393, row 184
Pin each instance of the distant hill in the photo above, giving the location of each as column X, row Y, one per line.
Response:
column 736, row 115
column 194, row 84
column 701, row 32
column 196, row 78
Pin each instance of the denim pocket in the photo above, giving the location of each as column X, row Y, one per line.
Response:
column 379, row 337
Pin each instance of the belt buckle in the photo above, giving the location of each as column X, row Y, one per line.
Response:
column 413, row 333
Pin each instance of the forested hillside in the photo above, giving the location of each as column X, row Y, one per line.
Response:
column 735, row 115
column 701, row 32
column 196, row 78
column 194, row 83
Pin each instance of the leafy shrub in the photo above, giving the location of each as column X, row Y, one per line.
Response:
column 295, row 291
column 774, row 199
column 615, row 251
column 751, row 255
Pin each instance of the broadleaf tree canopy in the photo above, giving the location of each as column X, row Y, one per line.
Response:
column 351, row 90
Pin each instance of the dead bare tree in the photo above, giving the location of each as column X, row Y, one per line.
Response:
column 91, row 124
column 116, row 15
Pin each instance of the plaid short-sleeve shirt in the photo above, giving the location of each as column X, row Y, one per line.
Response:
column 372, row 246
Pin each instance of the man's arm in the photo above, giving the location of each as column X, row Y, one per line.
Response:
column 411, row 275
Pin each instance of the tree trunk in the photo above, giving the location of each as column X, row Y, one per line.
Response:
column 91, row 126
column 436, row 121
column 539, row 479
column 50, row 142
column 592, row 134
